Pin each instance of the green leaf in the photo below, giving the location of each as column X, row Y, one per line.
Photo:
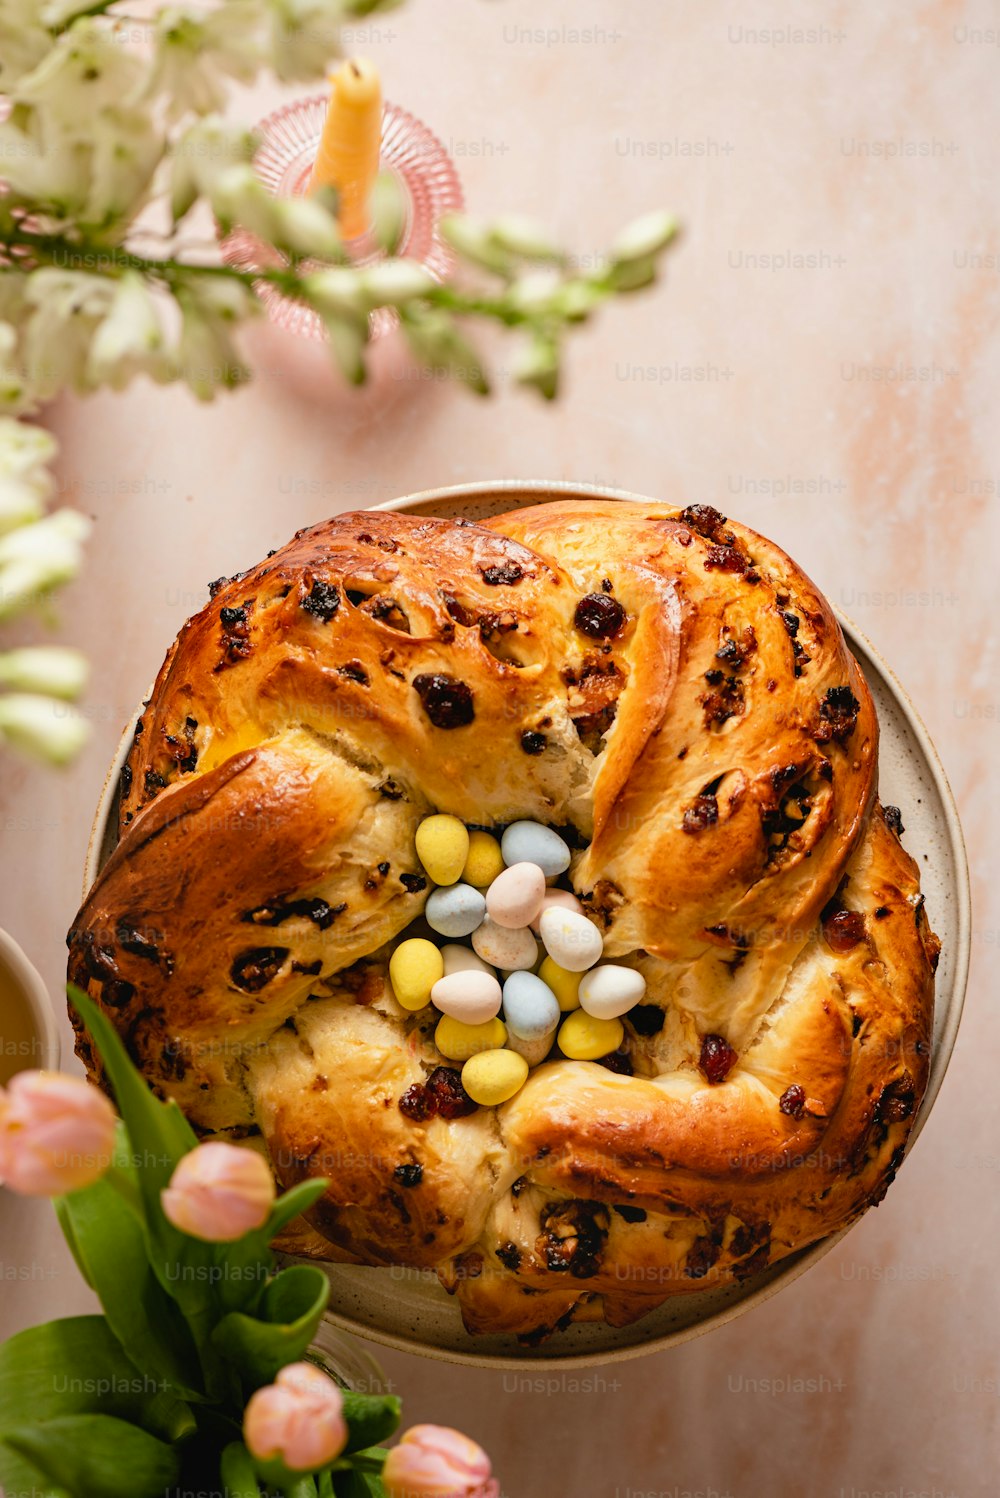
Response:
column 371, row 1419
column 110, row 1245
column 287, row 1317
column 77, row 1366
column 160, row 1135
column 239, row 1480
column 358, row 1484
column 292, row 1204
column 97, row 1456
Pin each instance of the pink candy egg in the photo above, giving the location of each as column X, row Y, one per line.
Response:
column 515, row 897
column 555, row 898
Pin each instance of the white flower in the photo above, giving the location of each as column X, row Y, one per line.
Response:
column 130, row 339
column 67, row 307
column 210, row 307
column 535, row 291
column 13, row 394
column 86, row 71
column 644, row 237
column 43, row 166
column 24, row 41
column 305, row 35
column 204, row 151
column 524, row 237
column 37, row 725
column 127, row 150
column 239, row 197
column 54, row 670
column 303, row 227
column 393, row 282
column 336, row 293
column 36, row 558
column 195, row 53
column 25, row 482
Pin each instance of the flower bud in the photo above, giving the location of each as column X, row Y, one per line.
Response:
column 54, row 670
column 218, row 1192
column 644, row 237
column 57, row 1133
column 36, row 725
column 434, row 1461
column 298, row 1419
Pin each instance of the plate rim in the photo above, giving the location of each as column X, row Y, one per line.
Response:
column 796, row 1265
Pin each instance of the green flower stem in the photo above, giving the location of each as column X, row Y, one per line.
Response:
column 301, row 1487
column 56, row 250
column 126, row 1188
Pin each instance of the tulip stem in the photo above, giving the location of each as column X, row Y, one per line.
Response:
column 300, row 1487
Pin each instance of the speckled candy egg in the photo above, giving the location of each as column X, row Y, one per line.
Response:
column 455, row 910
column 515, row 896
column 460, row 959
column 609, row 991
column 530, row 1008
column 472, row 997
column 570, row 939
column 562, row 899
column 533, row 1051
column 505, row 947
column 530, row 842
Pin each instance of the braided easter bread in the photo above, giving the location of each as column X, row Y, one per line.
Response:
column 670, row 692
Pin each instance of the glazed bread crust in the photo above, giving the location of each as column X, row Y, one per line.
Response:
column 669, row 690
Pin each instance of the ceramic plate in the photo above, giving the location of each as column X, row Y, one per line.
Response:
column 406, row 1308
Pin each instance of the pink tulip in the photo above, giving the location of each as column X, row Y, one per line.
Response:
column 434, row 1461
column 298, row 1419
column 218, row 1192
column 57, row 1133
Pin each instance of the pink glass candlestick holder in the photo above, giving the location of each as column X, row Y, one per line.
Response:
column 425, row 175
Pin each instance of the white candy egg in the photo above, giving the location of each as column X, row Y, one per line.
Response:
column 530, row 842
column 455, row 909
column 469, row 996
column 609, row 991
column 557, row 899
column 459, row 959
column 570, row 939
column 504, row 946
column 515, row 896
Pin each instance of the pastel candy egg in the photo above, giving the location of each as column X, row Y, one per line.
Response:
column 559, row 898
column 533, row 1051
column 472, row 997
column 515, row 896
column 492, row 1077
column 458, row 1041
column 530, row 1008
column 504, row 946
column 442, row 847
column 455, row 910
column 570, row 938
column 484, row 861
column 584, row 1038
column 564, row 984
column 414, row 967
column 458, row 959
column 609, row 990
column 530, row 842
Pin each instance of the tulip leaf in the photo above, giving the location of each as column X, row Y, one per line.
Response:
column 287, row 1316
column 160, row 1135
column 236, row 1469
column 357, row 1484
column 371, row 1419
column 249, row 1261
column 110, row 1246
column 97, row 1456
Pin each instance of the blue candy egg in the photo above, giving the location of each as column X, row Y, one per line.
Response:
column 530, row 1007
column 455, row 910
column 530, row 842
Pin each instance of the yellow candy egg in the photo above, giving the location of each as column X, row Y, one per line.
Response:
column 443, row 847
column 414, row 968
column 584, row 1038
column 458, row 1041
column 564, row 984
column 491, row 1077
column 484, row 861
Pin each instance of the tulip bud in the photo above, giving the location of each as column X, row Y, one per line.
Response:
column 218, row 1192
column 57, row 1134
column 297, row 1420
column 434, row 1461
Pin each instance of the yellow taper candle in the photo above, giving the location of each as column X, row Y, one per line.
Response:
column 349, row 148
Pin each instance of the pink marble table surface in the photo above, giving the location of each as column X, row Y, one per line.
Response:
column 823, row 361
